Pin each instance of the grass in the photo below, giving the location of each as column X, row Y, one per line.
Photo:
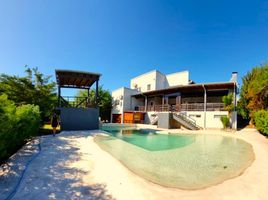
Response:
column 47, row 130
column 48, row 126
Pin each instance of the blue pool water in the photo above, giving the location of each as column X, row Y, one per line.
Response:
column 149, row 140
column 186, row 161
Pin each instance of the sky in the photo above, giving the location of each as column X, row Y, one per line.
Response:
column 122, row 39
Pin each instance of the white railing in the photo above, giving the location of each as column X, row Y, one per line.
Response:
column 183, row 107
column 200, row 107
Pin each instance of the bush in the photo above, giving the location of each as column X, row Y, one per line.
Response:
column 225, row 121
column 17, row 126
column 261, row 121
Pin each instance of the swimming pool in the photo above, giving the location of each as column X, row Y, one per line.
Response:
column 186, row 161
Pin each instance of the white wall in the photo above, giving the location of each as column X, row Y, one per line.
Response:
column 161, row 81
column 212, row 118
column 118, row 96
column 234, row 120
column 128, row 100
column 122, row 100
column 137, row 102
column 143, row 80
column 149, row 117
column 179, row 78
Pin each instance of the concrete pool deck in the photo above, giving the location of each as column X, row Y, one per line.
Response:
column 72, row 166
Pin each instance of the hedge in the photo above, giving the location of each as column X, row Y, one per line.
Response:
column 17, row 126
column 261, row 121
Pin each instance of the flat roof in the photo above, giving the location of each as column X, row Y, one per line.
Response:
column 190, row 88
column 76, row 79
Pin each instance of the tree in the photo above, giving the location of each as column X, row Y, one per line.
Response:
column 228, row 102
column 229, row 106
column 105, row 101
column 254, row 92
column 35, row 88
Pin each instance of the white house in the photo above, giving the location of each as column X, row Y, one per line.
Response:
column 154, row 96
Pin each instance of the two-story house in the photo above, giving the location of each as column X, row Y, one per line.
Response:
column 153, row 93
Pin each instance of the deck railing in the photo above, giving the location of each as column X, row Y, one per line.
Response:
column 76, row 102
column 183, row 107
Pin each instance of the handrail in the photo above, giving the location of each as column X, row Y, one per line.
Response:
column 185, row 117
column 76, row 102
column 183, row 107
column 188, row 119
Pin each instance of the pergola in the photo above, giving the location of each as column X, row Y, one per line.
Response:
column 77, row 80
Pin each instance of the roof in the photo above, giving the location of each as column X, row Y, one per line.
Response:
column 190, row 88
column 76, row 79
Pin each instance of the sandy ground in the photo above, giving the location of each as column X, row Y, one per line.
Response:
column 72, row 166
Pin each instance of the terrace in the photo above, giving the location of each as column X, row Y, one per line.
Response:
column 77, row 80
column 194, row 97
column 182, row 107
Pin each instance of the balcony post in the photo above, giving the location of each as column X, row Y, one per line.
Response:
column 178, row 102
column 97, row 93
column 59, row 95
column 87, row 100
column 205, row 105
column 163, row 102
column 145, row 103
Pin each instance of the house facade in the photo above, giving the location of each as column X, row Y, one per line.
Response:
column 154, row 96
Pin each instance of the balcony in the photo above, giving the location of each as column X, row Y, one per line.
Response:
column 182, row 107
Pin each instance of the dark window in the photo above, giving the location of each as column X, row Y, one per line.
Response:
column 148, row 87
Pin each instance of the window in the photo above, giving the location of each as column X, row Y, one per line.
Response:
column 148, row 87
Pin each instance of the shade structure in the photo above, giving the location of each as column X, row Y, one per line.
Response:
column 78, row 113
column 76, row 79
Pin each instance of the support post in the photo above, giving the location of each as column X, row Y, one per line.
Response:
column 145, row 102
column 59, row 95
column 234, row 96
column 167, row 109
column 88, row 100
column 234, row 114
column 205, row 106
column 178, row 102
column 97, row 92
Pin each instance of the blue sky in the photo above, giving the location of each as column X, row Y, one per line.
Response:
column 121, row 39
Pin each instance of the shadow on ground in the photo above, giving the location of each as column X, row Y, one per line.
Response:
column 51, row 175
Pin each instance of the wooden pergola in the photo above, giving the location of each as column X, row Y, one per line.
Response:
column 77, row 80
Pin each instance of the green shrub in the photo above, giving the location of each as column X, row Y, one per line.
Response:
column 228, row 102
column 261, row 121
column 225, row 121
column 7, row 122
column 17, row 125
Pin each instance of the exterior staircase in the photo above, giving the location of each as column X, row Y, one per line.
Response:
column 186, row 121
column 155, row 120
